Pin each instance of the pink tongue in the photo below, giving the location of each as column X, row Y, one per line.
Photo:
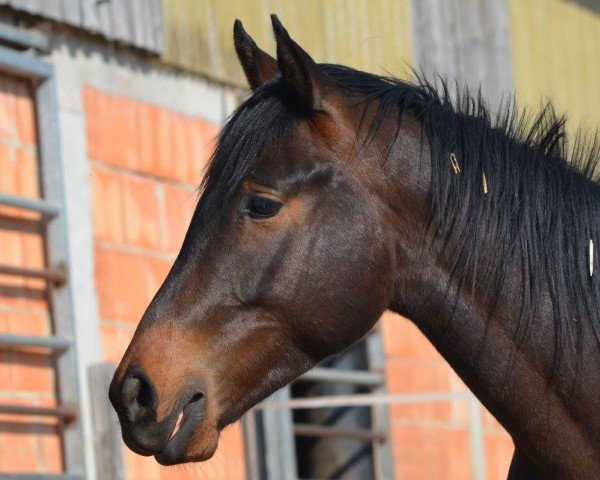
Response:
column 177, row 425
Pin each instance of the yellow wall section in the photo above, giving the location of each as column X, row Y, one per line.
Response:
column 556, row 54
column 372, row 35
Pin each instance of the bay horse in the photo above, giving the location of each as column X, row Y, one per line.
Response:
column 335, row 194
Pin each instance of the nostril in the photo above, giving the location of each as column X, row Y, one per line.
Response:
column 138, row 395
column 145, row 395
column 131, row 387
column 197, row 398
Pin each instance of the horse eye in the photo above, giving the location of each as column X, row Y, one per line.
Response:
column 262, row 207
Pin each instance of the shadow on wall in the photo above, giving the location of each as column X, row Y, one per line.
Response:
column 592, row 5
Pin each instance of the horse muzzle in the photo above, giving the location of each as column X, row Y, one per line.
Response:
column 135, row 399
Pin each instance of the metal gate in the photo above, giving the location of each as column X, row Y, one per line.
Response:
column 270, row 430
column 20, row 56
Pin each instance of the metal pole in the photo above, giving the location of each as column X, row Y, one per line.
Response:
column 362, row 400
column 20, row 341
column 477, row 439
column 352, row 377
column 34, row 205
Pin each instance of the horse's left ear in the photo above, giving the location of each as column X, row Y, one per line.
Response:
column 259, row 67
column 310, row 86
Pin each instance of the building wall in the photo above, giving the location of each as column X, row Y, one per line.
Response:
column 557, row 57
column 372, row 35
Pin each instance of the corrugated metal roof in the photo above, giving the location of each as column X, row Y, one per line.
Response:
column 132, row 22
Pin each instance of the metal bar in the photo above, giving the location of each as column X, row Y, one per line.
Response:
column 107, row 434
column 51, row 342
column 383, row 458
column 24, row 38
column 252, row 454
column 55, row 275
column 279, row 441
column 310, row 430
column 68, row 414
column 34, row 205
column 68, row 373
column 477, row 440
column 362, row 400
column 23, row 65
column 353, row 377
column 39, row 476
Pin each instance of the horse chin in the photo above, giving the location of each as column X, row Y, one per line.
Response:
column 199, row 447
column 194, row 438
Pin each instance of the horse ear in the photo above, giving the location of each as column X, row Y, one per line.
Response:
column 308, row 83
column 259, row 67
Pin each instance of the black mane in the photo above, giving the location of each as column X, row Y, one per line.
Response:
column 542, row 201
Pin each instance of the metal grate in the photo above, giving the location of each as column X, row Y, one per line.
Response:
column 22, row 60
column 271, row 432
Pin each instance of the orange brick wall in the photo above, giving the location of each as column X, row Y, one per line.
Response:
column 146, row 163
column 432, row 440
column 27, row 444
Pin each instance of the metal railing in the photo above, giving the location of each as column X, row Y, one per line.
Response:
column 476, row 434
column 20, row 57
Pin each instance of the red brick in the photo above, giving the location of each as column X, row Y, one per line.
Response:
column 406, row 376
column 18, row 446
column 95, row 107
column 32, row 372
column 164, row 144
column 107, row 205
column 490, row 423
column 126, row 282
column 121, row 285
column 499, row 449
column 50, row 446
column 115, row 341
column 181, row 160
column 121, row 140
column 19, row 177
column 25, row 113
column 7, row 106
column 209, row 133
column 141, row 214
column 27, row 322
column 402, row 339
column 156, row 270
column 147, row 132
column 27, row 174
column 8, row 167
column 428, row 452
column 179, row 208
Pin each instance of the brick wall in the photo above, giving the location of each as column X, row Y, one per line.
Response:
column 432, row 440
column 27, row 444
column 146, row 163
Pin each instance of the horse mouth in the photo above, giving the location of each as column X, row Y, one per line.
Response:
column 175, row 450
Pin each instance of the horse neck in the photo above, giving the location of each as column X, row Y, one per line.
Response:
column 509, row 369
